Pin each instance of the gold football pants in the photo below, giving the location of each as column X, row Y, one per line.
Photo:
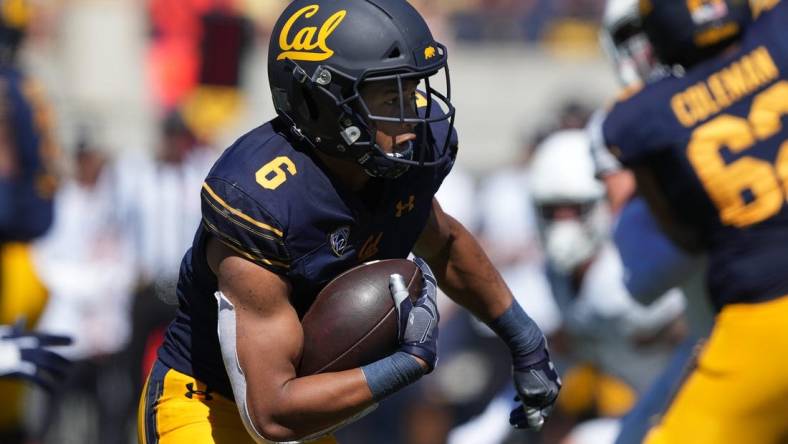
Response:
column 177, row 409
column 739, row 391
column 22, row 294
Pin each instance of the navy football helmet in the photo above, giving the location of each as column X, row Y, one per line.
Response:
column 321, row 54
column 627, row 46
column 14, row 18
column 685, row 32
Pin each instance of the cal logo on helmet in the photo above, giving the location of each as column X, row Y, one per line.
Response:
column 308, row 42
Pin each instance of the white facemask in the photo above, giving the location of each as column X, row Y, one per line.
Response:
column 568, row 244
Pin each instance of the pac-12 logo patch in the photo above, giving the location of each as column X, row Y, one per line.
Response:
column 339, row 240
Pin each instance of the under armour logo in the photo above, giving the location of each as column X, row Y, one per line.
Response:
column 200, row 394
column 406, row 207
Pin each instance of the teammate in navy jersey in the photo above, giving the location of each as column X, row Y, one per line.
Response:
column 346, row 173
column 27, row 187
column 709, row 150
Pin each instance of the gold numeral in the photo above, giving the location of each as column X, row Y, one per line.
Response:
column 274, row 173
column 726, row 183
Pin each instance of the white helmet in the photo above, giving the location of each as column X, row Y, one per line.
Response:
column 562, row 169
column 574, row 219
column 626, row 45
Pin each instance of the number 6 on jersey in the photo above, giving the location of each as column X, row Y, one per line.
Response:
column 274, row 173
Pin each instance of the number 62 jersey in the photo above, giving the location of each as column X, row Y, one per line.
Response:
column 716, row 143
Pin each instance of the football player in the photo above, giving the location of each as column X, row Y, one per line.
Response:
column 665, row 265
column 27, row 186
column 619, row 345
column 709, row 153
column 346, row 173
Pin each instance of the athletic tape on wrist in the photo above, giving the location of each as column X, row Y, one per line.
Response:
column 521, row 334
column 391, row 373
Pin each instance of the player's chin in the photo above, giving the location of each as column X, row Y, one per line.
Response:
column 403, row 146
column 403, row 150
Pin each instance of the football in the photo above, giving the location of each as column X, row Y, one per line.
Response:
column 353, row 321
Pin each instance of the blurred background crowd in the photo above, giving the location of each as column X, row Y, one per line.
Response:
column 137, row 98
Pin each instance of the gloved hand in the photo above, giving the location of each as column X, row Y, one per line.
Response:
column 23, row 355
column 537, row 384
column 418, row 321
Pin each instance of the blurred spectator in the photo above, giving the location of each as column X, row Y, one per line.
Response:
column 570, row 22
column 175, row 47
column 264, row 14
column 86, row 263
column 585, row 9
column 197, row 51
column 500, row 19
column 158, row 200
column 435, row 13
column 153, row 199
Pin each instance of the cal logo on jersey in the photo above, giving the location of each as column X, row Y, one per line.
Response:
column 309, row 42
column 339, row 240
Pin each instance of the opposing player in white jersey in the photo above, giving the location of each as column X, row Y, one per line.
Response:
column 613, row 338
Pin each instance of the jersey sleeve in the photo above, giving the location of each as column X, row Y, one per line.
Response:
column 632, row 130
column 244, row 225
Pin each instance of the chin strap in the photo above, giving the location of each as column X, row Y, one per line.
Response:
column 384, row 166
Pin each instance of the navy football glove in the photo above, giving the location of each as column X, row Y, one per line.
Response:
column 418, row 321
column 537, row 384
column 23, row 355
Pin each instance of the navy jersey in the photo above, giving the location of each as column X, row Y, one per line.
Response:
column 715, row 141
column 270, row 200
column 26, row 206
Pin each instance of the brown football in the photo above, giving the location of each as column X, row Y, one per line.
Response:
column 352, row 321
